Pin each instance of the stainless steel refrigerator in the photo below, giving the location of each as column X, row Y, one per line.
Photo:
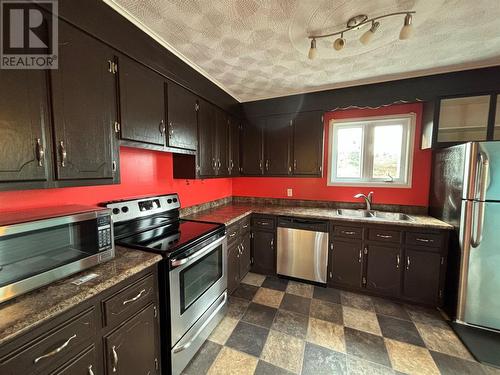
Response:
column 465, row 192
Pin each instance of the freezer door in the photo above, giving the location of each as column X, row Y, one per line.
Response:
column 488, row 171
column 480, row 281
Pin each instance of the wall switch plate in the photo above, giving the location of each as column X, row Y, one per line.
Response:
column 289, row 192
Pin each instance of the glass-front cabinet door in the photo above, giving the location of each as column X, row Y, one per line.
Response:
column 464, row 119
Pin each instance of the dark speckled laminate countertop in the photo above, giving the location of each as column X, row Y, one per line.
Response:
column 230, row 213
column 27, row 311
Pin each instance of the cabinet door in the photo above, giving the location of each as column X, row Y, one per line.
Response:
column 84, row 363
column 383, row 270
column 277, row 137
column 307, row 147
column 84, row 106
column 182, row 118
column 222, row 137
column 252, row 147
column 347, row 263
column 142, row 103
column 133, row 347
column 24, row 133
column 233, row 267
column 245, row 256
column 263, row 253
column 234, row 147
column 206, row 140
column 421, row 276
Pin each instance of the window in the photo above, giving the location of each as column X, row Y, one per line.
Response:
column 375, row 151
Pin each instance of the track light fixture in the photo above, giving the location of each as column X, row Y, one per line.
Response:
column 359, row 21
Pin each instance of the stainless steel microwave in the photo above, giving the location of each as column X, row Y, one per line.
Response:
column 38, row 247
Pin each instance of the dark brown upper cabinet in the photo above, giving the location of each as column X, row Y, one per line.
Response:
column 234, row 147
column 182, row 118
column 221, row 143
column 308, row 140
column 24, row 127
column 277, row 145
column 252, row 151
column 84, row 107
column 142, row 103
column 206, row 164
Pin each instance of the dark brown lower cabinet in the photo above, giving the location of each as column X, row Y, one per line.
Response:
column 383, row 269
column 422, row 270
column 233, row 268
column 238, row 253
column 263, row 252
column 133, row 347
column 84, row 363
column 245, row 255
column 346, row 263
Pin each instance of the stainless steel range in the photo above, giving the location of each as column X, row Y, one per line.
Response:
column 193, row 281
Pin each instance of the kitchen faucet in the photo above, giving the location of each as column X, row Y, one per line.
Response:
column 368, row 199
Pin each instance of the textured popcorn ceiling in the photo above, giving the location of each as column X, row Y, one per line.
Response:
column 257, row 49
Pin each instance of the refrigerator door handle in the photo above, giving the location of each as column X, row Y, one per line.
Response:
column 477, row 224
column 482, row 175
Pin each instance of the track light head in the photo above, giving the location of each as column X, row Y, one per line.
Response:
column 312, row 50
column 339, row 43
column 368, row 35
column 407, row 29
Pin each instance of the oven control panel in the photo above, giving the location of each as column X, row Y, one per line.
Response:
column 135, row 208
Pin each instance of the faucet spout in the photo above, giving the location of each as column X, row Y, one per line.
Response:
column 368, row 199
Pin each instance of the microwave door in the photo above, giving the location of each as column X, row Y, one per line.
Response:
column 480, row 283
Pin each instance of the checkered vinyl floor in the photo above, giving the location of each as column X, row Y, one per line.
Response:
column 275, row 326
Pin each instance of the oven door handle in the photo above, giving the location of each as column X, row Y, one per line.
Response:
column 181, row 261
column 180, row 348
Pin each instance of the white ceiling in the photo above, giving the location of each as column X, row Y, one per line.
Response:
column 256, row 49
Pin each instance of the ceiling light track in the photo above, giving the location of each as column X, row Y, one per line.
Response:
column 357, row 22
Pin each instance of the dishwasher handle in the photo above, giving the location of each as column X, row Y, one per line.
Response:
column 303, row 223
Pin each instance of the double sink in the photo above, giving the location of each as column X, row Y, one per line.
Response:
column 368, row 214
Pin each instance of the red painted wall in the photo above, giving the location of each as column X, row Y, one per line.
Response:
column 316, row 188
column 142, row 172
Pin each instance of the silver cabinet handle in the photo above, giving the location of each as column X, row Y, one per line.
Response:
column 407, row 263
column 272, row 244
column 214, row 164
column 135, row 298
column 90, row 371
column 295, row 165
column 384, row 235
column 162, row 127
column 245, row 226
column 171, row 128
column 262, row 223
column 115, row 358
column 424, row 240
column 350, row 233
column 360, row 256
column 233, row 234
column 40, row 152
column 242, row 248
column 64, row 154
column 239, row 253
column 398, row 260
column 267, row 164
column 260, row 165
column 55, row 351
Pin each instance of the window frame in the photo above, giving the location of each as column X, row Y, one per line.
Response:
column 368, row 124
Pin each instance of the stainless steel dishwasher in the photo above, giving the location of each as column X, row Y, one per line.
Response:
column 302, row 248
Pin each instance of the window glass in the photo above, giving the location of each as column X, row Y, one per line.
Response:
column 387, row 148
column 349, row 152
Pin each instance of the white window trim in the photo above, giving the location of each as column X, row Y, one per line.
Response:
column 409, row 144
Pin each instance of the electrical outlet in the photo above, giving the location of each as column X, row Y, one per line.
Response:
column 289, row 192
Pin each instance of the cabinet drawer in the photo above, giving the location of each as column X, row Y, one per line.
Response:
column 263, row 222
column 129, row 300
column 383, row 235
column 348, row 232
column 85, row 363
column 424, row 239
column 244, row 225
column 53, row 349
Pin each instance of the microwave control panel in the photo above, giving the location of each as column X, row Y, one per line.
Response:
column 104, row 232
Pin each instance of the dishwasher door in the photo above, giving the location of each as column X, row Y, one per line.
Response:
column 302, row 253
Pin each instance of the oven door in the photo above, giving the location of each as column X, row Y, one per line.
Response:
column 196, row 282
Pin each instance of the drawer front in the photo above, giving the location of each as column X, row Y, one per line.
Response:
column 245, row 225
column 84, row 363
column 424, row 239
column 233, row 232
column 382, row 235
column 348, row 232
column 129, row 300
column 263, row 222
column 50, row 351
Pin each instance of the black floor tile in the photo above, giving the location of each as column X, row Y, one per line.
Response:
column 265, row 368
column 273, row 282
column 401, row 330
column 449, row 365
column 296, row 304
column 319, row 360
column 367, row 346
column 236, row 307
column 291, row 323
column 203, row 359
column 327, row 294
column 389, row 308
column 259, row 315
column 331, row 312
column 248, row 338
column 245, row 291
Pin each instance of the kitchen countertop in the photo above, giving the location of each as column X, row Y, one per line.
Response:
column 25, row 312
column 230, row 213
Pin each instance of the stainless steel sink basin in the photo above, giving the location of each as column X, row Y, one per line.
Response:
column 392, row 216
